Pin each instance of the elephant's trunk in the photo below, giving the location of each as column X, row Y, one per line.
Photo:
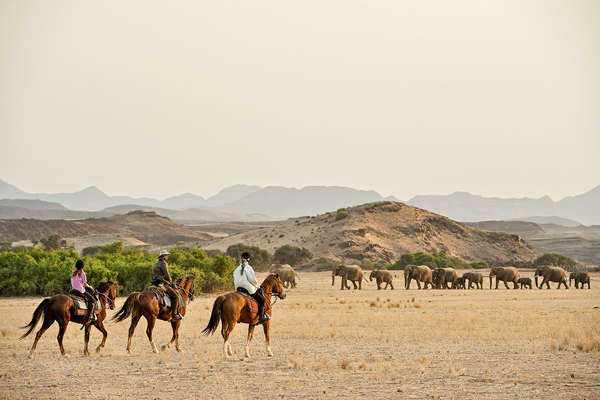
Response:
column 490, row 281
column 536, row 282
column 332, row 278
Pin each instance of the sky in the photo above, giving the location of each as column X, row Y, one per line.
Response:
column 155, row 98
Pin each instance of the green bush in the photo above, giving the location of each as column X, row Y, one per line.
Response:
column 341, row 214
column 291, row 255
column 41, row 272
column 326, row 264
column 554, row 259
column 261, row 259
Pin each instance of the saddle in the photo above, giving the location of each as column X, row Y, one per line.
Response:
column 163, row 297
column 81, row 305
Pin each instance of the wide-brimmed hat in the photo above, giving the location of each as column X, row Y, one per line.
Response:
column 163, row 253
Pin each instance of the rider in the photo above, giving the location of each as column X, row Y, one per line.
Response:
column 160, row 275
column 82, row 289
column 244, row 281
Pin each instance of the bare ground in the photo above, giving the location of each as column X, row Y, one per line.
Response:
column 542, row 344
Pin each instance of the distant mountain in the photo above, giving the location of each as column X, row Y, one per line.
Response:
column 8, row 191
column 190, row 216
column 283, row 202
column 32, row 204
column 231, row 194
column 550, row 220
column 468, row 207
column 183, row 201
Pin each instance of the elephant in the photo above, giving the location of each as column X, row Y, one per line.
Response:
column 580, row 277
column 382, row 277
column 459, row 283
column 441, row 277
column 420, row 273
column 525, row 283
column 504, row 274
column 550, row 274
column 288, row 276
column 473, row 277
column 348, row 273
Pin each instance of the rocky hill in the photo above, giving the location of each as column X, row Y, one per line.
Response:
column 384, row 231
column 148, row 227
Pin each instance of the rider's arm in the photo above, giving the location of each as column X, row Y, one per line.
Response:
column 166, row 274
column 250, row 276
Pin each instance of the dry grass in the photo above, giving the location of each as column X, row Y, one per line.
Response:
column 328, row 343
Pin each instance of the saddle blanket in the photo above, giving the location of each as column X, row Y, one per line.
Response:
column 163, row 298
column 251, row 304
column 81, row 305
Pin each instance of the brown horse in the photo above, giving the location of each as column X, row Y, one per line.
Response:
column 58, row 308
column 231, row 308
column 145, row 303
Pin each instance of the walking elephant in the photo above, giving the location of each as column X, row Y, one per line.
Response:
column 441, row 277
column 473, row 277
column 524, row 283
column 550, row 274
column 420, row 273
column 382, row 277
column 351, row 273
column 288, row 276
column 459, row 283
column 580, row 277
column 505, row 274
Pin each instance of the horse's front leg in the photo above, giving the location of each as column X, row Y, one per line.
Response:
column 266, row 325
column 175, row 337
column 149, row 329
column 100, row 326
column 86, row 340
column 250, row 333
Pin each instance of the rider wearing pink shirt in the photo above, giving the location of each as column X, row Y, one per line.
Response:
column 82, row 289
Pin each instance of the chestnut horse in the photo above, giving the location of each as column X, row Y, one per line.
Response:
column 145, row 303
column 58, row 308
column 231, row 308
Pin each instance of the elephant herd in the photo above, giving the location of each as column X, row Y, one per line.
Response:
column 447, row 278
column 442, row 278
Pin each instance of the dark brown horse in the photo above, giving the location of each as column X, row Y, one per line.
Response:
column 231, row 308
column 145, row 303
column 58, row 308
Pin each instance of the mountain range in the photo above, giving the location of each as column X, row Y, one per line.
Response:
column 255, row 203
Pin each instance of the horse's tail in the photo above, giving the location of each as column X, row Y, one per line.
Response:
column 125, row 311
column 215, row 316
column 37, row 314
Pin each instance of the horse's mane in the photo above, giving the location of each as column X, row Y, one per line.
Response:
column 103, row 286
column 269, row 279
column 187, row 277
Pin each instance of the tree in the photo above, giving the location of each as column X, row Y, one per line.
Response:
column 554, row 259
column 291, row 255
column 54, row 242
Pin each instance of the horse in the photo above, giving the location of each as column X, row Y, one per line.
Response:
column 231, row 308
column 58, row 308
column 145, row 304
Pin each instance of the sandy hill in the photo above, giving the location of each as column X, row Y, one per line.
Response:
column 384, row 231
column 148, row 227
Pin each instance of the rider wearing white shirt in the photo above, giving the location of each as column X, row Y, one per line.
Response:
column 245, row 281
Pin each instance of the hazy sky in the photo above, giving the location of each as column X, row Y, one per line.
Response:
column 156, row 98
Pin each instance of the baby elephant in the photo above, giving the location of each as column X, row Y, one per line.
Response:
column 580, row 277
column 382, row 277
column 459, row 283
column 525, row 282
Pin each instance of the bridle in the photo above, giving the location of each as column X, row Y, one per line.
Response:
column 189, row 292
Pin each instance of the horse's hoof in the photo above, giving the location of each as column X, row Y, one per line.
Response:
column 164, row 347
column 98, row 349
column 179, row 350
column 30, row 356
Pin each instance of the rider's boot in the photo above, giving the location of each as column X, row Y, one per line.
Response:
column 176, row 314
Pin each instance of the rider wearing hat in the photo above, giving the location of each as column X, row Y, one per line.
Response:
column 161, row 276
column 244, row 281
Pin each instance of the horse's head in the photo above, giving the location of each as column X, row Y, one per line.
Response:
column 109, row 290
column 187, row 283
column 273, row 284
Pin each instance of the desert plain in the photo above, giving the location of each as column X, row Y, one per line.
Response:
column 327, row 343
